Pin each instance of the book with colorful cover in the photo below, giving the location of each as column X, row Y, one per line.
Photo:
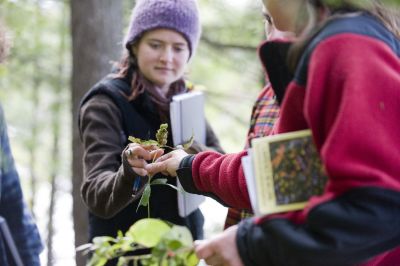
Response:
column 283, row 171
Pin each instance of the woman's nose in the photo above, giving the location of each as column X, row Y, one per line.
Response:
column 166, row 55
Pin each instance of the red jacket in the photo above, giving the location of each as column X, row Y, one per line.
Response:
column 347, row 91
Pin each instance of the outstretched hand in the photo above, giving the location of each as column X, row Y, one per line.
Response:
column 220, row 250
column 138, row 156
column 167, row 164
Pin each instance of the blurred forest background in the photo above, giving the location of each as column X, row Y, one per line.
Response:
column 60, row 48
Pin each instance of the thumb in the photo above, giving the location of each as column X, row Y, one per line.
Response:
column 155, row 154
column 203, row 249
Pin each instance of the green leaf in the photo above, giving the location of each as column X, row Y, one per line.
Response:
column 148, row 232
column 149, row 142
column 189, row 143
column 180, row 233
column 174, row 244
column 97, row 261
column 192, row 259
column 122, row 261
column 134, row 140
column 144, row 200
column 171, row 262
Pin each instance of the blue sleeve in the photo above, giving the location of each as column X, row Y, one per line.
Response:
column 12, row 206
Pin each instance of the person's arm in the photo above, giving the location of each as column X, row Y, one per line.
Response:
column 108, row 184
column 222, row 176
column 353, row 111
column 208, row 173
column 12, row 206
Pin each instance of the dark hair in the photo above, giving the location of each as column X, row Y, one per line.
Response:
column 390, row 17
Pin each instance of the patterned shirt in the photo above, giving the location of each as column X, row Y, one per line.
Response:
column 265, row 112
column 13, row 208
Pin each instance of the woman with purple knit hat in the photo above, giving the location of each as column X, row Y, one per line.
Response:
column 134, row 101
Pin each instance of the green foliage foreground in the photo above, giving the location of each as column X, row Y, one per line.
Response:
column 150, row 241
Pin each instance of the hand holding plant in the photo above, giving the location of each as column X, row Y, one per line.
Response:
column 140, row 151
column 138, row 155
column 167, row 164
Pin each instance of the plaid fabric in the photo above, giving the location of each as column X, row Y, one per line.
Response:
column 13, row 208
column 265, row 112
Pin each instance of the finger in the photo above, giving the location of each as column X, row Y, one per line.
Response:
column 140, row 171
column 150, row 147
column 156, row 167
column 140, row 163
column 156, row 154
column 135, row 151
column 164, row 157
column 198, row 242
column 203, row 249
column 165, row 173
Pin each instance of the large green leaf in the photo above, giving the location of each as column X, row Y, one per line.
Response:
column 148, row 232
column 181, row 234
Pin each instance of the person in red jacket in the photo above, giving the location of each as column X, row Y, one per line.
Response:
column 346, row 89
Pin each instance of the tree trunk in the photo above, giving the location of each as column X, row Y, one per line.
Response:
column 96, row 27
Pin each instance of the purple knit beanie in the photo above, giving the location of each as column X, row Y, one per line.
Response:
column 179, row 15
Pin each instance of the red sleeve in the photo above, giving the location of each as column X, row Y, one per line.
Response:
column 222, row 175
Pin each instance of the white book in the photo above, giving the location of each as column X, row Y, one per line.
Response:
column 248, row 170
column 187, row 120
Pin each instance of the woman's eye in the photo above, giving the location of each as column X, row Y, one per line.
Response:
column 178, row 49
column 154, row 45
column 267, row 18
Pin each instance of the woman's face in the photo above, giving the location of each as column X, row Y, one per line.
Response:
column 284, row 13
column 271, row 33
column 162, row 55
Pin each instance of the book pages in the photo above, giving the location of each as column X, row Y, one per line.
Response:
column 247, row 165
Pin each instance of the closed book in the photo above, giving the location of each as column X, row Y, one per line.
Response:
column 187, row 120
column 286, row 172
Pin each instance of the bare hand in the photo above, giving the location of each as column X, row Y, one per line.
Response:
column 220, row 250
column 138, row 155
column 167, row 164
